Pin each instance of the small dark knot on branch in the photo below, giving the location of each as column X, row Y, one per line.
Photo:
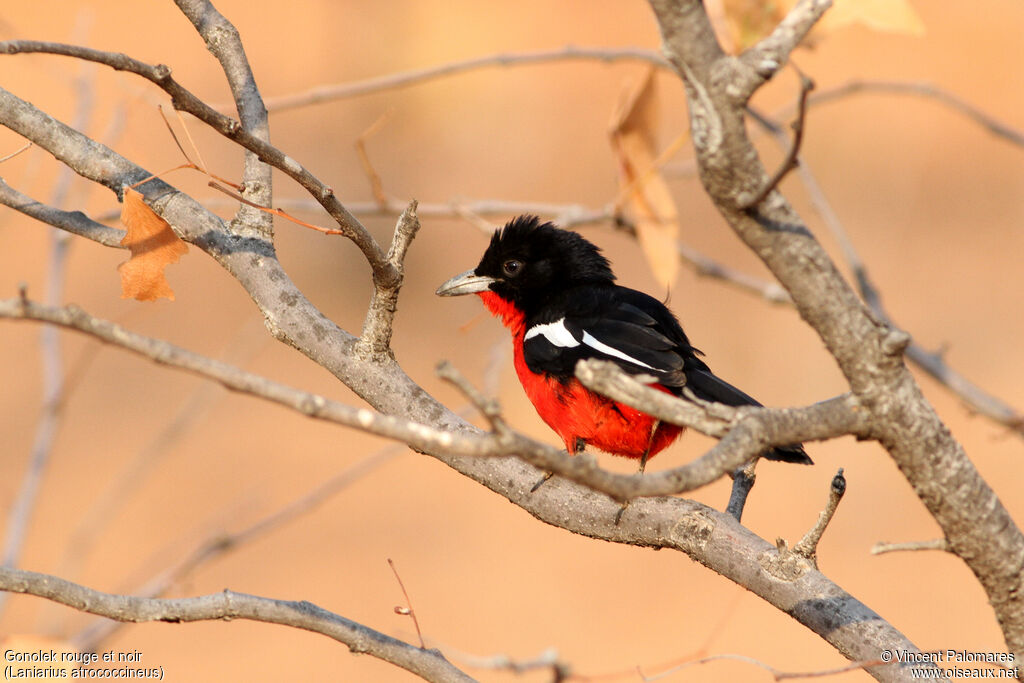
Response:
column 839, row 483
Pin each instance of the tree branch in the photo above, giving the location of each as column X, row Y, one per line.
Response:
column 184, row 100
column 327, row 93
column 223, row 41
column 868, row 351
column 428, row 664
column 375, row 342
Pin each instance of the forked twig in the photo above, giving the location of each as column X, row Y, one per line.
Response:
column 407, row 611
column 790, row 162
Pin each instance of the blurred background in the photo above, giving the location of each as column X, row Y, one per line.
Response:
column 149, row 464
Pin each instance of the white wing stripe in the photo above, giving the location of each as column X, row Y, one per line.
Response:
column 593, row 343
column 556, row 333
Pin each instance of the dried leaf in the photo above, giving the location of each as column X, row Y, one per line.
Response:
column 748, row 21
column 154, row 246
column 741, row 23
column 645, row 190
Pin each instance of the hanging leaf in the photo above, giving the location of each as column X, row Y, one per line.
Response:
column 644, row 189
column 153, row 245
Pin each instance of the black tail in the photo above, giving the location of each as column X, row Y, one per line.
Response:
column 705, row 385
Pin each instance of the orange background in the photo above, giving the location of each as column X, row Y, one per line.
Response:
column 931, row 200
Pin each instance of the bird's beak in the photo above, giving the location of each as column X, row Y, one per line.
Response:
column 466, row 283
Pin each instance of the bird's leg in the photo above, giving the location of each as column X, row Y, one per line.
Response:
column 578, row 445
column 643, row 466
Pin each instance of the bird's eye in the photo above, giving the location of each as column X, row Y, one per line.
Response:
column 512, row 267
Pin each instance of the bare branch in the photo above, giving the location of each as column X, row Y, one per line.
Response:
column 808, row 545
column 790, row 162
column 222, row 544
column 932, row 363
column 927, row 91
column 488, row 407
column 743, row 481
column 771, row 53
column 74, row 222
column 756, row 429
column 548, row 659
column 428, row 664
column 52, row 363
column 408, row 610
column 715, row 539
column 868, row 351
column 8, row 157
column 936, row 544
column 223, row 41
column 375, row 342
column 327, row 93
column 184, row 100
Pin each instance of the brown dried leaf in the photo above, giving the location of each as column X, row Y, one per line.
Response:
column 741, row 23
column 645, row 190
column 154, row 246
column 748, row 21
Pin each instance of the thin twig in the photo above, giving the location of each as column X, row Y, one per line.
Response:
column 936, row 544
column 548, row 659
column 129, row 479
column 407, row 610
column 488, row 407
column 375, row 341
column 218, row 545
column 327, row 93
column 49, row 343
column 928, row 91
column 276, row 212
column 791, row 160
column 931, row 362
column 376, row 185
column 742, row 482
column 184, row 100
column 808, row 545
column 16, row 152
column 228, row 605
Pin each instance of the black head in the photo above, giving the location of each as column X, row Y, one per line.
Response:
column 528, row 260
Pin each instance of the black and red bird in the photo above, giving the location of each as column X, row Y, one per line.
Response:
column 556, row 293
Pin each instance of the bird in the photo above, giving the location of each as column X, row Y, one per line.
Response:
column 556, row 293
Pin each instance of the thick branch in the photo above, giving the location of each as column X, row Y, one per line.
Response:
column 868, row 351
column 428, row 664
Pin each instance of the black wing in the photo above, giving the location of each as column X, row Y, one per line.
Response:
column 639, row 334
column 613, row 323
